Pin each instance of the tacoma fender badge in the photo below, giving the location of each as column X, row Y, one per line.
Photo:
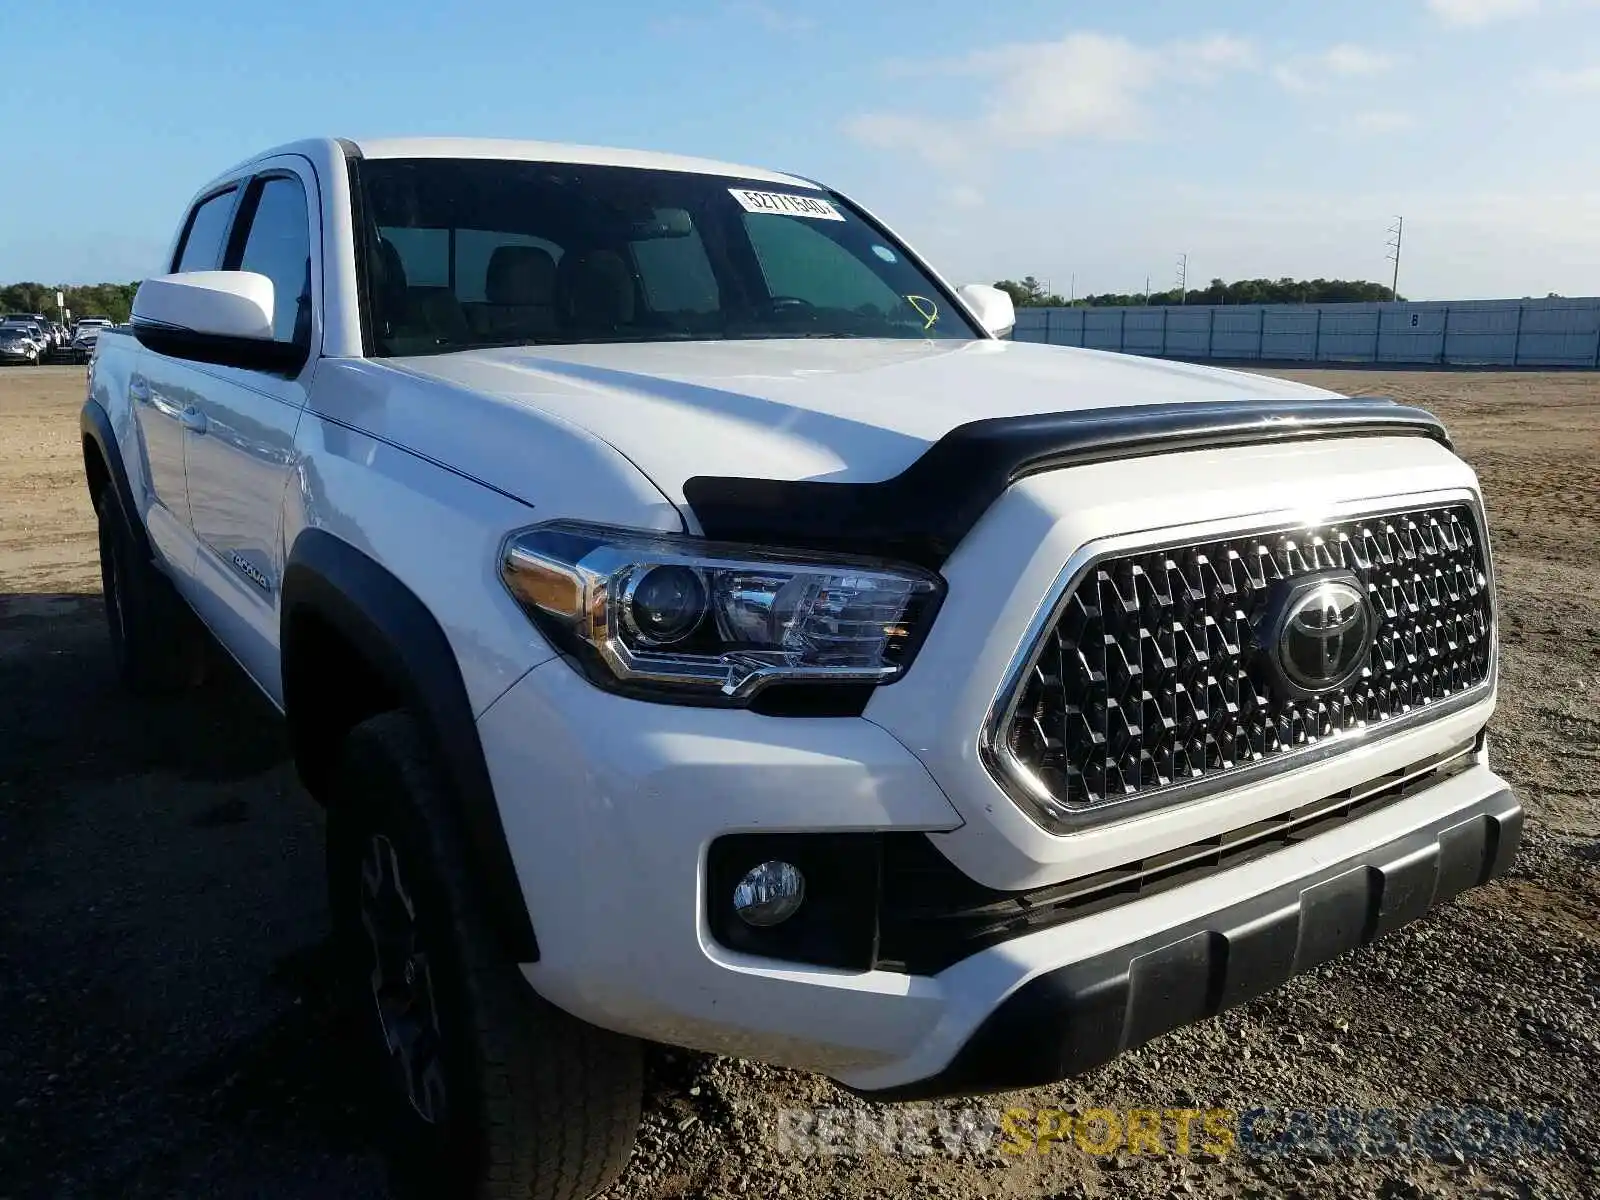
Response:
column 251, row 572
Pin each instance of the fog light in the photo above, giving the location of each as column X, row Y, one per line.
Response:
column 769, row 894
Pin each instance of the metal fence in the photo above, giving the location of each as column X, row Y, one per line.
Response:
column 1512, row 333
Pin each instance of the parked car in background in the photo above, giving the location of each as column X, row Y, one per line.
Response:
column 35, row 326
column 81, row 348
column 17, row 346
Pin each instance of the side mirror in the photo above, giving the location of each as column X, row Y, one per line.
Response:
column 222, row 317
column 991, row 306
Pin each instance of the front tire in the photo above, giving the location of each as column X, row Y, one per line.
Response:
column 485, row 1089
column 154, row 640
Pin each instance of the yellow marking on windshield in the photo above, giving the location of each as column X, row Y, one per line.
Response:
column 929, row 314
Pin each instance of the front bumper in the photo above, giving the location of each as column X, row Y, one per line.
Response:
column 1081, row 1015
column 610, row 806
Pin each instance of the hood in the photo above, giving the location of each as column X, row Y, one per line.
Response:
column 847, row 411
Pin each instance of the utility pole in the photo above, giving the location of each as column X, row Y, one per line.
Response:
column 1072, row 290
column 1147, row 290
column 1396, row 231
column 1183, row 279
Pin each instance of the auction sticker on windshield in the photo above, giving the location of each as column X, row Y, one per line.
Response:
column 787, row 205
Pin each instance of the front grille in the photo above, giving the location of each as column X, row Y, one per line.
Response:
column 1153, row 677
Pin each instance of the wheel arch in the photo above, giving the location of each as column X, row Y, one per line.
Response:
column 103, row 467
column 357, row 641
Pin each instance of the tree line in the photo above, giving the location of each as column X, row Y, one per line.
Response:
column 1028, row 292
column 113, row 301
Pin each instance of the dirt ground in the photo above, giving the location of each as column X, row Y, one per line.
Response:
column 165, row 1023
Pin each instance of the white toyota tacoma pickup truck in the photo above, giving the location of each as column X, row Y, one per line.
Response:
column 702, row 625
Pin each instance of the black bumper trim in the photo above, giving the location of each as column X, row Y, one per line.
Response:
column 1080, row 1016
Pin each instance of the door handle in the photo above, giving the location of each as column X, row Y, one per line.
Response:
column 192, row 419
column 139, row 389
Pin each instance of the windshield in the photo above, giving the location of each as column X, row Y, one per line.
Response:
column 467, row 252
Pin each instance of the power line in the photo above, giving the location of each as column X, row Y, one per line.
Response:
column 1396, row 233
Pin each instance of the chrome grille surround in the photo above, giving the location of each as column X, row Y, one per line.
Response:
column 1051, row 760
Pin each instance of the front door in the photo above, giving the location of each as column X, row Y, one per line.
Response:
column 239, row 446
column 159, row 402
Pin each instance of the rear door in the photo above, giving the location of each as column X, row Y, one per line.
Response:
column 160, row 398
column 239, row 447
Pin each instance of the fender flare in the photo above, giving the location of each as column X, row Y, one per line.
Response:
column 94, row 423
column 396, row 633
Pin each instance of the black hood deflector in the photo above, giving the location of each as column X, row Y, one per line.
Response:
column 921, row 514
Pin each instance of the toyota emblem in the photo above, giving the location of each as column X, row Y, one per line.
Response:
column 1320, row 634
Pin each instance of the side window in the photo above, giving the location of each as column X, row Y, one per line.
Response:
column 202, row 240
column 800, row 260
column 279, row 247
column 677, row 275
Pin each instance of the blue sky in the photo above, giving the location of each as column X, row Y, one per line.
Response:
column 1093, row 142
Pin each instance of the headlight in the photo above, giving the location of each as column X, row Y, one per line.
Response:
column 682, row 615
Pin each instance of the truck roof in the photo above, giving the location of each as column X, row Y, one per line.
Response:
column 531, row 151
column 323, row 149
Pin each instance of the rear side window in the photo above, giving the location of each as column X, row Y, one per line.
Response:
column 676, row 274
column 475, row 249
column 202, row 240
column 424, row 253
column 278, row 246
